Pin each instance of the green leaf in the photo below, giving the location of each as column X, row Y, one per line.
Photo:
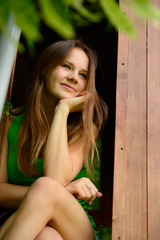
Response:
column 145, row 9
column 26, row 18
column 21, row 48
column 70, row 2
column 118, row 19
column 5, row 110
column 77, row 5
column 4, row 13
column 8, row 104
column 78, row 20
column 56, row 15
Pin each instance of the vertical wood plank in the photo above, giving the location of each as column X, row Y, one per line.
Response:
column 119, row 182
column 130, row 178
column 136, row 180
column 154, row 131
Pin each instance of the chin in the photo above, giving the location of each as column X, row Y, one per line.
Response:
column 67, row 96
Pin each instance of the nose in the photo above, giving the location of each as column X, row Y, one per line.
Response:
column 72, row 77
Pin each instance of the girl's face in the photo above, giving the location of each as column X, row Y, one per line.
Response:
column 69, row 79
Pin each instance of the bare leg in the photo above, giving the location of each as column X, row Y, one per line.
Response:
column 49, row 234
column 6, row 226
column 48, row 202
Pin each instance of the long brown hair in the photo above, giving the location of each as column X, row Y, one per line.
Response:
column 83, row 127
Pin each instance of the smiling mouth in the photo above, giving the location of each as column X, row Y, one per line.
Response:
column 68, row 87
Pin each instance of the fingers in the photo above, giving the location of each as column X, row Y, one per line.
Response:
column 86, row 95
column 75, row 104
column 98, row 195
column 82, row 94
column 94, row 194
column 86, row 190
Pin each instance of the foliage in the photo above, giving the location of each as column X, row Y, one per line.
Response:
column 6, row 108
column 104, row 233
column 64, row 15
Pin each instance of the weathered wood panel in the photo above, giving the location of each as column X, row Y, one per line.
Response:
column 154, row 131
column 119, row 183
column 136, row 195
column 130, row 179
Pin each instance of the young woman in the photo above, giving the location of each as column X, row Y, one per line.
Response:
column 49, row 145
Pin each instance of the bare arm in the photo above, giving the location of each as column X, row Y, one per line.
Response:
column 60, row 162
column 10, row 195
column 67, row 165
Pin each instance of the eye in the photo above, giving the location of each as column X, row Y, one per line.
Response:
column 66, row 66
column 83, row 75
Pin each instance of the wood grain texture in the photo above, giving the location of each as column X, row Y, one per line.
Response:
column 136, row 165
column 154, row 131
column 130, row 169
column 119, row 183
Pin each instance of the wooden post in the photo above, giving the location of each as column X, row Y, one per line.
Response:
column 136, row 193
column 153, row 131
column 130, row 169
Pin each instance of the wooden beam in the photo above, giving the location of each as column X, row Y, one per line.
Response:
column 153, row 115
column 130, row 168
column 119, row 183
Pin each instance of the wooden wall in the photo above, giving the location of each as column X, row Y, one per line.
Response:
column 136, row 192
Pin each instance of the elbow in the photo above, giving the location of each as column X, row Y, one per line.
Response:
column 60, row 178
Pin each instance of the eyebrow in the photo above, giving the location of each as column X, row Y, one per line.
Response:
column 83, row 70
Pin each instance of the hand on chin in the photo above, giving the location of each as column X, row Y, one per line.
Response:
column 76, row 104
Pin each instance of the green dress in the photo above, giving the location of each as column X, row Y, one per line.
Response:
column 14, row 174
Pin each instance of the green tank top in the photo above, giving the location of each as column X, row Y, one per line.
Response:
column 14, row 174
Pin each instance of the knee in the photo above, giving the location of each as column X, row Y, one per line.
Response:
column 45, row 184
column 44, row 191
column 49, row 234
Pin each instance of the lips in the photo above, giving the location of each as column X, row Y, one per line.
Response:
column 68, row 87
